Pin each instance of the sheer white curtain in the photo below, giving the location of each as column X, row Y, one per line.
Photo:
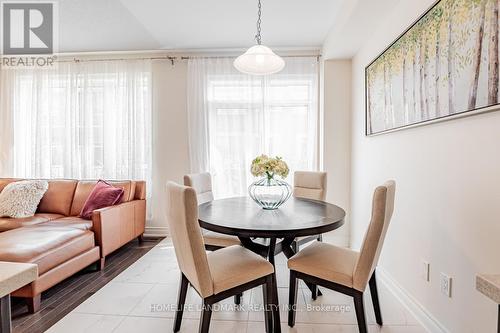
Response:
column 6, row 127
column 234, row 117
column 82, row 120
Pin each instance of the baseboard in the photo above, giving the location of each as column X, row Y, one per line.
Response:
column 156, row 232
column 423, row 316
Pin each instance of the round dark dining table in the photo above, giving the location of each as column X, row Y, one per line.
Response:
column 242, row 217
column 259, row 229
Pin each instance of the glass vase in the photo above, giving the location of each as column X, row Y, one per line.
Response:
column 270, row 193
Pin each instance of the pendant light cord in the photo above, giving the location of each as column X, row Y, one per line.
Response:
column 259, row 21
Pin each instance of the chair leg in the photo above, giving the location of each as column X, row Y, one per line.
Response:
column 268, row 316
column 180, row 302
column 314, row 291
column 318, row 291
column 360, row 312
column 237, row 299
column 273, row 295
column 375, row 300
column 292, row 299
column 206, row 315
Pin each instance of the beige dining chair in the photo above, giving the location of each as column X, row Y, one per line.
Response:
column 308, row 185
column 217, row 275
column 202, row 184
column 345, row 270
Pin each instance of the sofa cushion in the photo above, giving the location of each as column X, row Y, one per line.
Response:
column 140, row 190
column 70, row 222
column 46, row 246
column 20, row 199
column 7, row 223
column 58, row 198
column 49, row 216
column 85, row 187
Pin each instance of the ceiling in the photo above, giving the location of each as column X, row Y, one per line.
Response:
column 111, row 25
column 128, row 25
column 359, row 19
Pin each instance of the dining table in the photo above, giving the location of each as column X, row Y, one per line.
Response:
column 270, row 232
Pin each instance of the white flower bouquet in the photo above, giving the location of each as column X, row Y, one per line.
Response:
column 264, row 165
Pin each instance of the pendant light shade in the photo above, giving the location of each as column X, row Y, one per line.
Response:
column 259, row 60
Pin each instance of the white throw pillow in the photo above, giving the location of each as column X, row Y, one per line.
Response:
column 20, row 199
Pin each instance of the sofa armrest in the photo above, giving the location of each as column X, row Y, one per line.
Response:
column 117, row 225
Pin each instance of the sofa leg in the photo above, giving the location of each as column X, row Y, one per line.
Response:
column 102, row 263
column 140, row 238
column 34, row 303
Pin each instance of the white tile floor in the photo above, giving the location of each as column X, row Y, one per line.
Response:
column 143, row 297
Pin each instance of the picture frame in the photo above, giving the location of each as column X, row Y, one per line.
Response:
column 401, row 91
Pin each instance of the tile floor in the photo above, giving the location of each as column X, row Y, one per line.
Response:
column 143, row 297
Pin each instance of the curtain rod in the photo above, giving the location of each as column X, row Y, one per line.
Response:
column 172, row 58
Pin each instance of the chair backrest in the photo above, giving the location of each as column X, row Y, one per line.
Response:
column 202, row 184
column 382, row 209
column 182, row 218
column 309, row 185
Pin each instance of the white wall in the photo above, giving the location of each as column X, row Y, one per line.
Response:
column 170, row 136
column 336, row 107
column 447, row 200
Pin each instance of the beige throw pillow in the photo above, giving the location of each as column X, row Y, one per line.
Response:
column 20, row 199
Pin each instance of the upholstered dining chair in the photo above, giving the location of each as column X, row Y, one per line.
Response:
column 202, row 184
column 216, row 275
column 345, row 270
column 308, row 185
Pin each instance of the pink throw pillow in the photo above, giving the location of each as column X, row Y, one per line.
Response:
column 103, row 195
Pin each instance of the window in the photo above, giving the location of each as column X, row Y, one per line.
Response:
column 248, row 115
column 84, row 121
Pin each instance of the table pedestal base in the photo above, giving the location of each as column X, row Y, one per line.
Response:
column 5, row 320
column 268, row 251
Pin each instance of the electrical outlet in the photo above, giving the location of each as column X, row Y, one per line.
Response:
column 445, row 285
column 424, row 271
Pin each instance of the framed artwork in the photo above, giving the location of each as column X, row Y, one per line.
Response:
column 443, row 66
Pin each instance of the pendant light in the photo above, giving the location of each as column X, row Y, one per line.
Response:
column 259, row 59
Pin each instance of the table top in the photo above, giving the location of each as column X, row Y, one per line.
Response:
column 489, row 285
column 15, row 275
column 241, row 216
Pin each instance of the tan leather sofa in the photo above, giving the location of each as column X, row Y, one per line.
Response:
column 60, row 242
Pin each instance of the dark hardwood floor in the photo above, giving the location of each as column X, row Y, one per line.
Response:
column 67, row 295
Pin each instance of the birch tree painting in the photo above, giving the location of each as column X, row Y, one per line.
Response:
column 445, row 64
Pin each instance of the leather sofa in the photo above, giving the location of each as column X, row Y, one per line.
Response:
column 60, row 242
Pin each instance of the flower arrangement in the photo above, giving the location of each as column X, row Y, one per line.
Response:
column 264, row 165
